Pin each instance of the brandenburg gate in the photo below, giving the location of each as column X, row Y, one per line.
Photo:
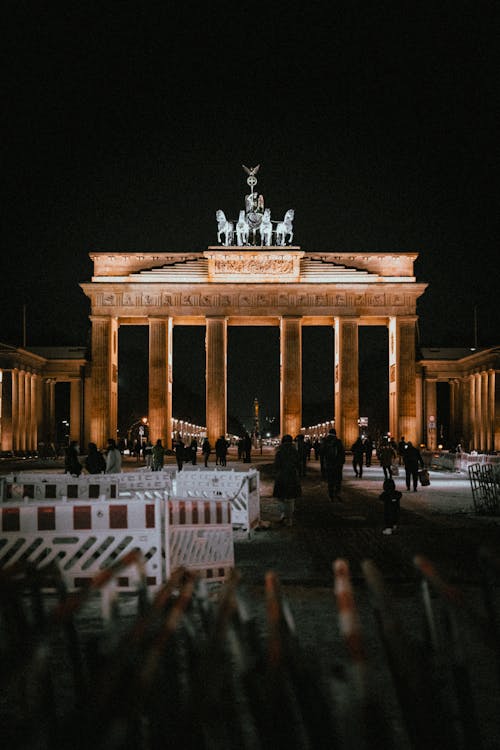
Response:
column 254, row 276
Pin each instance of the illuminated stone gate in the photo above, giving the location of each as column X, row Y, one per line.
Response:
column 229, row 285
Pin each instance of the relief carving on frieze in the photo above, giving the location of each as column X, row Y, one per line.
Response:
column 148, row 300
column 254, row 265
column 340, row 300
column 128, row 300
column 109, row 299
column 166, row 299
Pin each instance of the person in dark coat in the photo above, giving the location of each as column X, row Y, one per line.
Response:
column 95, row 462
column 333, row 454
column 247, row 450
column 158, row 456
column 391, row 498
column 220, row 451
column 206, row 449
column 179, row 452
column 368, row 445
column 302, row 451
column 71, row 463
column 193, row 449
column 287, row 482
column 386, row 456
column 358, row 451
column 413, row 461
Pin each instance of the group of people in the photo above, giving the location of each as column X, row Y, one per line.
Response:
column 289, row 467
column 95, row 462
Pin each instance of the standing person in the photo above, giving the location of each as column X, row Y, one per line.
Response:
column 247, row 448
column 333, row 461
column 368, row 445
column 178, row 446
column 391, row 498
column 287, row 482
column 386, row 456
column 301, row 450
column 71, row 463
column 315, row 447
column 113, row 458
column 401, row 450
column 206, row 449
column 193, row 450
column 241, row 448
column 413, row 460
column 358, row 451
column 95, row 462
column 148, row 453
column 158, row 456
column 220, row 451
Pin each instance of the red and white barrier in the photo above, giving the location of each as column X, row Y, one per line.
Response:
column 83, row 538
column 241, row 488
column 199, row 536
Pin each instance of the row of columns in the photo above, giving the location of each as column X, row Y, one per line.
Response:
column 402, row 403
column 474, row 410
column 28, row 409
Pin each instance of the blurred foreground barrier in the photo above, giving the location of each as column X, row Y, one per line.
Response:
column 192, row 669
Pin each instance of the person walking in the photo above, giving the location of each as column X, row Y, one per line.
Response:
column 368, row 445
column 391, row 498
column 358, row 451
column 193, row 449
column 206, row 449
column 95, row 462
column 158, row 456
column 247, row 448
column 113, row 458
column 148, row 453
column 401, row 450
column 287, row 485
column 302, row 451
column 413, row 461
column 178, row 446
column 386, row 456
column 220, row 451
column 71, row 463
column 333, row 453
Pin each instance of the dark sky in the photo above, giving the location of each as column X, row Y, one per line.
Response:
column 125, row 130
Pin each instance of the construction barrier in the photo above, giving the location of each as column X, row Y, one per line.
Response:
column 86, row 538
column 40, row 486
column 241, row 488
column 199, row 537
column 485, row 486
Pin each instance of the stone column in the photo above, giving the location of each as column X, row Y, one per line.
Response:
column 216, row 376
column 6, row 412
column 27, row 408
column 160, row 380
column 103, row 409
column 402, row 391
column 34, row 411
column 484, row 412
column 454, row 412
column 431, row 411
column 346, row 379
column 15, row 409
column 474, row 438
column 465, row 398
column 21, row 405
column 75, row 411
column 290, row 375
column 491, row 410
column 51, row 410
column 496, row 408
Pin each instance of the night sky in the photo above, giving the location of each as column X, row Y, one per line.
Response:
column 125, row 130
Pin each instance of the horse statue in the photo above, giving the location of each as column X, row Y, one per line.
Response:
column 242, row 230
column 224, row 227
column 285, row 228
column 266, row 228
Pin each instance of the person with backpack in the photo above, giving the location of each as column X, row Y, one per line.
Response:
column 391, row 498
column 333, row 453
column 287, row 485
